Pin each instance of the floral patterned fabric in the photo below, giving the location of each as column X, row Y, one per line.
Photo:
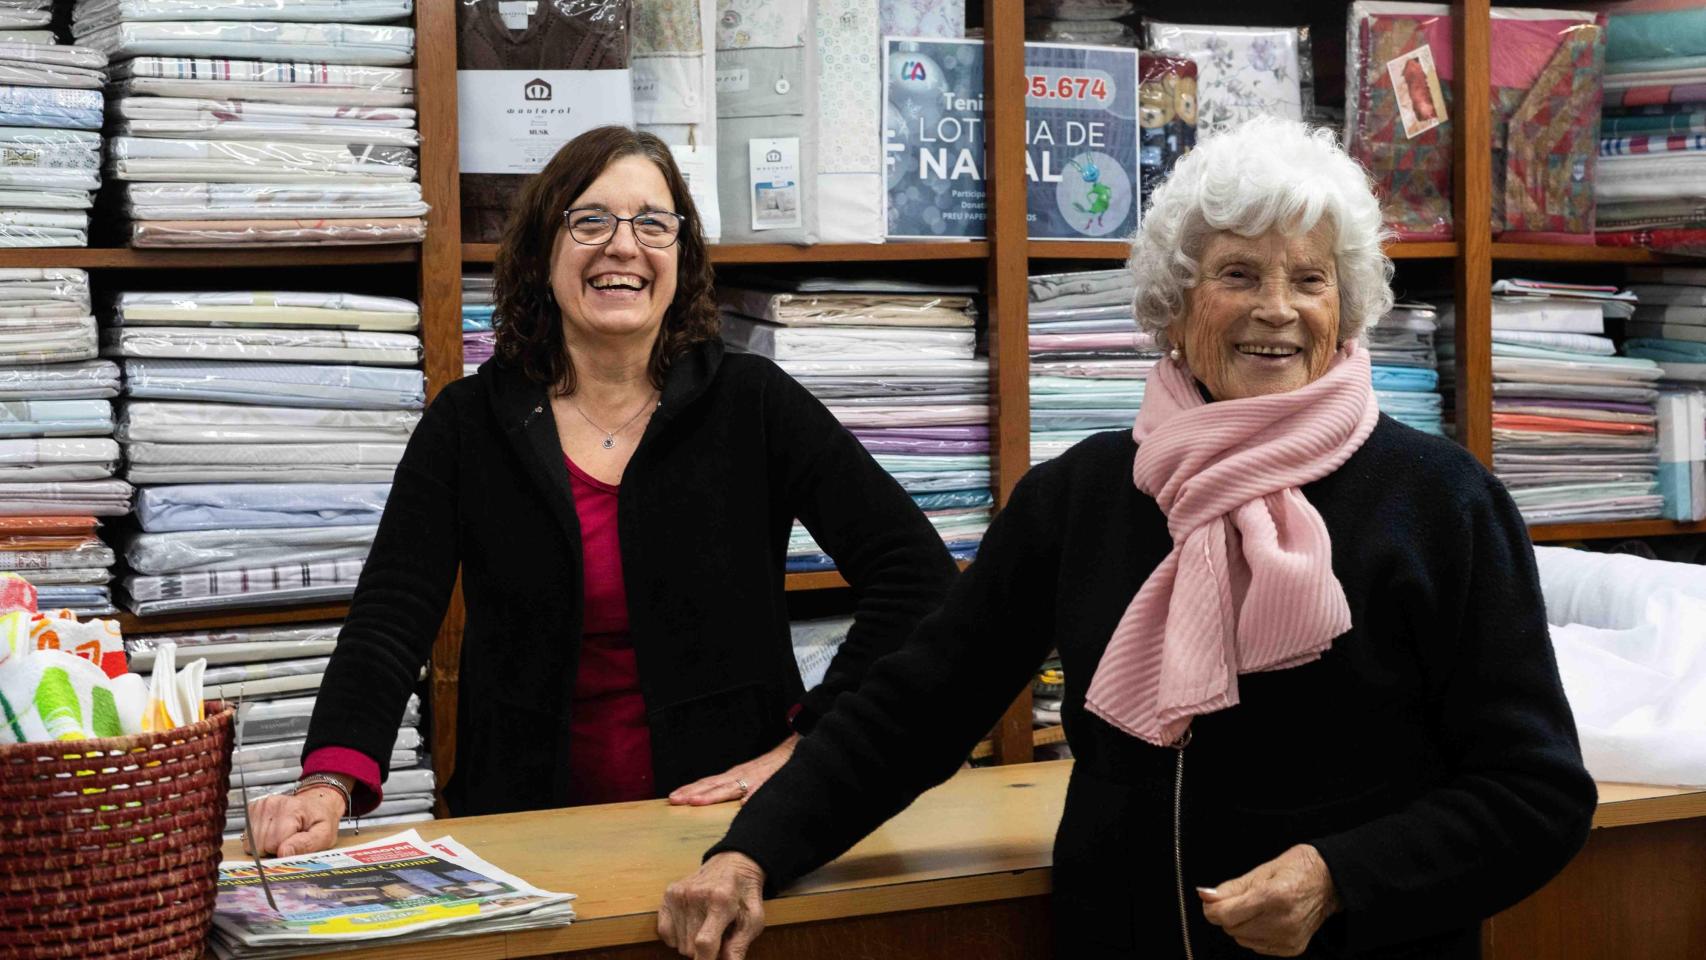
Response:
column 923, row 18
column 1412, row 175
column 1242, row 72
column 1545, row 134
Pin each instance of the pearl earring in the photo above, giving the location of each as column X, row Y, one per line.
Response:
column 1175, row 355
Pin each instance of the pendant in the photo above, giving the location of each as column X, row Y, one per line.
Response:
column 609, row 441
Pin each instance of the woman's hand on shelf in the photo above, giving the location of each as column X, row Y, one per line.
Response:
column 716, row 913
column 738, row 782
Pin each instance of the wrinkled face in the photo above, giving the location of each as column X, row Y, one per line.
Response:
column 1185, row 100
column 1264, row 318
column 619, row 290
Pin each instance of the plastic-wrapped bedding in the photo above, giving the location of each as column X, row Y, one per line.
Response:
column 250, row 645
column 849, row 309
column 286, row 308
column 204, row 423
column 74, row 576
column 238, row 129
column 21, row 66
column 845, row 343
column 242, row 587
column 216, row 506
column 55, row 418
column 246, row 201
column 311, row 346
column 95, row 498
column 22, row 106
column 83, row 380
column 286, row 82
column 95, row 14
column 244, row 111
column 258, row 39
column 254, row 161
column 92, row 553
column 279, row 455
column 47, row 339
column 189, row 551
column 177, row 473
column 15, row 453
column 287, row 719
column 17, row 196
column 276, row 233
column 276, row 384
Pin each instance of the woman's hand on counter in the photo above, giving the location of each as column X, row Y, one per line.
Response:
column 287, row 825
column 1276, row 908
column 738, row 782
column 716, row 913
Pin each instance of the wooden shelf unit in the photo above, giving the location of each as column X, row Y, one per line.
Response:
column 1006, row 256
column 1561, row 532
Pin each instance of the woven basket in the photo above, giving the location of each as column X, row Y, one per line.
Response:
column 109, row 848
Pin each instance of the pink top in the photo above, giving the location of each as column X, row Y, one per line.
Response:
column 610, row 747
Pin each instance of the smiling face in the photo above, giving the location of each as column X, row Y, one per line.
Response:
column 621, row 289
column 1264, row 318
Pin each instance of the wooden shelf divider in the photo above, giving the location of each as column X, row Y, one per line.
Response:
column 133, row 625
column 1560, row 532
column 1576, row 253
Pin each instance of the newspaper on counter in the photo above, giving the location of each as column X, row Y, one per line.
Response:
column 397, row 888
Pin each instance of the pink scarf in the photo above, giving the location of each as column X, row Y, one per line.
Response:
column 1208, row 614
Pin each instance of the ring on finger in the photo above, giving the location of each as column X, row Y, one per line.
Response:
column 743, row 786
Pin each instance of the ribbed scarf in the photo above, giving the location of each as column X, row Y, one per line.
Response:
column 1209, row 613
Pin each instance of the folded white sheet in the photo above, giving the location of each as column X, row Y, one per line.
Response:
column 277, row 384
column 308, row 345
column 88, row 379
column 218, row 423
column 256, row 161
column 265, row 40
column 94, row 14
column 277, row 309
column 196, row 550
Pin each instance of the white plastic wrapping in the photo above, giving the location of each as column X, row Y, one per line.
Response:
column 845, row 343
column 191, row 551
column 65, row 450
column 64, row 160
column 214, row 506
column 238, row 129
column 64, row 288
column 309, row 346
column 247, row 201
column 46, row 339
column 96, row 498
column 280, row 455
column 255, row 161
column 285, row 82
column 39, row 65
column 216, row 423
column 91, row 553
column 74, row 576
column 141, row 473
column 87, row 379
column 288, row 719
column 276, row 384
column 242, row 587
column 245, row 111
column 91, row 15
column 256, row 39
column 244, row 308
column 276, row 233
column 65, row 107
column 55, row 418
column 290, row 751
column 849, row 309
column 240, row 645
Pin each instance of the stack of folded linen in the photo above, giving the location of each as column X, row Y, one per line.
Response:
column 896, row 363
column 1094, row 22
column 28, row 17
column 1669, row 326
column 283, row 467
column 1088, row 359
column 1650, row 185
column 260, row 666
column 312, row 142
column 477, row 336
column 50, row 142
column 57, row 455
column 1574, row 425
column 1406, row 385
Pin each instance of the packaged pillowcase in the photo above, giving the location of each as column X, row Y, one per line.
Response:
column 1166, row 115
column 560, row 63
column 1242, row 72
column 1398, row 108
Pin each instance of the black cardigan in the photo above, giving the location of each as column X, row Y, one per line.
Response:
column 734, row 453
column 1429, row 755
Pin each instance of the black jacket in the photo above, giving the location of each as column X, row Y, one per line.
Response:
column 735, row 451
column 1429, row 755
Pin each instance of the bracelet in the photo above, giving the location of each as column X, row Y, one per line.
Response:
column 324, row 780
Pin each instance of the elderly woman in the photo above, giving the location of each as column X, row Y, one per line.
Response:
column 1309, row 686
column 617, row 493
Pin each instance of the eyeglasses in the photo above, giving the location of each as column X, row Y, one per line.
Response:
column 595, row 227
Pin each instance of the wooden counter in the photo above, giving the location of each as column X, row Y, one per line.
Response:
column 965, row 871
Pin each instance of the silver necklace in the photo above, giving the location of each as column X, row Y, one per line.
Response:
column 610, row 435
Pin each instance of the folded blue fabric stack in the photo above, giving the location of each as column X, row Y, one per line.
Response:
column 1406, row 384
column 1669, row 325
column 1088, row 358
column 51, row 110
column 896, row 363
column 262, row 478
column 1650, row 182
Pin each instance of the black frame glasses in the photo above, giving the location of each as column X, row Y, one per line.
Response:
column 634, row 225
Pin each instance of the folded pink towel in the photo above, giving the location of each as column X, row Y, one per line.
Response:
column 1249, row 584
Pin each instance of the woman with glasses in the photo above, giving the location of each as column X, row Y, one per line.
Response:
column 616, row 492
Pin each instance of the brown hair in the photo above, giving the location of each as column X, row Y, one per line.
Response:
column 528, row 325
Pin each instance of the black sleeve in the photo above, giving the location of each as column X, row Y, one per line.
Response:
column 880, row 541
column 1518, row 803
column 399, row 601
column 921, row 709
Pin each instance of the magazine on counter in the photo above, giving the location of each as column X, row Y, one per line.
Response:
column 397, row 887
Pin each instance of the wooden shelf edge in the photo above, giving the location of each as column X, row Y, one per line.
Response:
column 1040, row 737
column 1573, row 253
column 125, row 258
column 1625, row 805
column 1079, row 250
column 1422, row 250
column 133, row 625
column 1555, row 532
column 830, row 579
column 818, row 253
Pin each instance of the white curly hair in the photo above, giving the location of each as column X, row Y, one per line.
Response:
column 1268, row 173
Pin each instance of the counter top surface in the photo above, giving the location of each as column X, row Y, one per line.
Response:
column 985, row 835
